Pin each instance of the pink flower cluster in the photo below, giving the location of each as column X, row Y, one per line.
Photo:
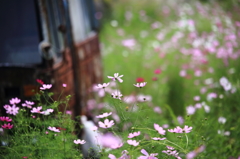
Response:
column 186, row 129
column 171, row 152
column 134, row 134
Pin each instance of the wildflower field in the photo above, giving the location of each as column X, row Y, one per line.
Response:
column 185, row 59
column 170, row 90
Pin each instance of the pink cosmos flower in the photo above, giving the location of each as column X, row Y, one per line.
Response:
column 159, row 129
column 69, row 112
column 133, row 142
column 78, row 141
column 147, row 156
column 46, row 132
column 132, row 135
column 180, row 120
column 108, row 140
column 195, row 152
column 28, row 104
column 190, row 110
column 129, row 43
column 124, row 155
column 140, row 85
column 158, row 138
column 47, row 112
column 187, row 129
column 36, row 110
column 53, row 129
column 171, row 152
column 12, row 110
column 7, row 126
column 64, row 85
column 116, row 77
column 104, row 85
column 176, row 130
column 157, row 109
column 106, row 124
column 14, row 101
column 7, row 119
column 46, row 86
column 117, row 95
column 225, row 83
column 104, row 115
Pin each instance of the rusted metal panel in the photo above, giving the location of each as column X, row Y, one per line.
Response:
column 90, row 66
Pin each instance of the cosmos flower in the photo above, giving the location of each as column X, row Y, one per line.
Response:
column 124, row 155
column 159, row 129
column 104, row 115
column 133, row 142
column 7, row 126
column 36, row 110
column 104, row 85
column 14, row 101
column 147, row 156
column 7, row 119
column 53, row 129
column 12, row 110
column 158, row 138
column 116, row 77
column 117, row 95
column 106, row 123
column 47, row 112
column 78, row 141
column 134, row 134
column 46, row 86
column 140, row 85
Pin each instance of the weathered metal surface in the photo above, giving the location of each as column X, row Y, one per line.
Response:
column 89, row 62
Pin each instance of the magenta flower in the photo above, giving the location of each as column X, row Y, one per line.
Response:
column 53, row 129
column 187, row 129
column 78, row 141
column 14, row 101
column 157, row 71
column 140, row 85
column 7, row 119
column 104, row 85
column 159, row 129
column 133, row 142
column 7, row 126
column 117, row 95
column 46, row 86
column 116, row 77
column 64, row 85
column 147, row 156
column 132, row 135
column 106, row 124
column 158, row 138
column 104, row 115
column 36, row 110
column 12, row 110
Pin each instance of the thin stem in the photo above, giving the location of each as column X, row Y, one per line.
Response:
column 186, row 139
